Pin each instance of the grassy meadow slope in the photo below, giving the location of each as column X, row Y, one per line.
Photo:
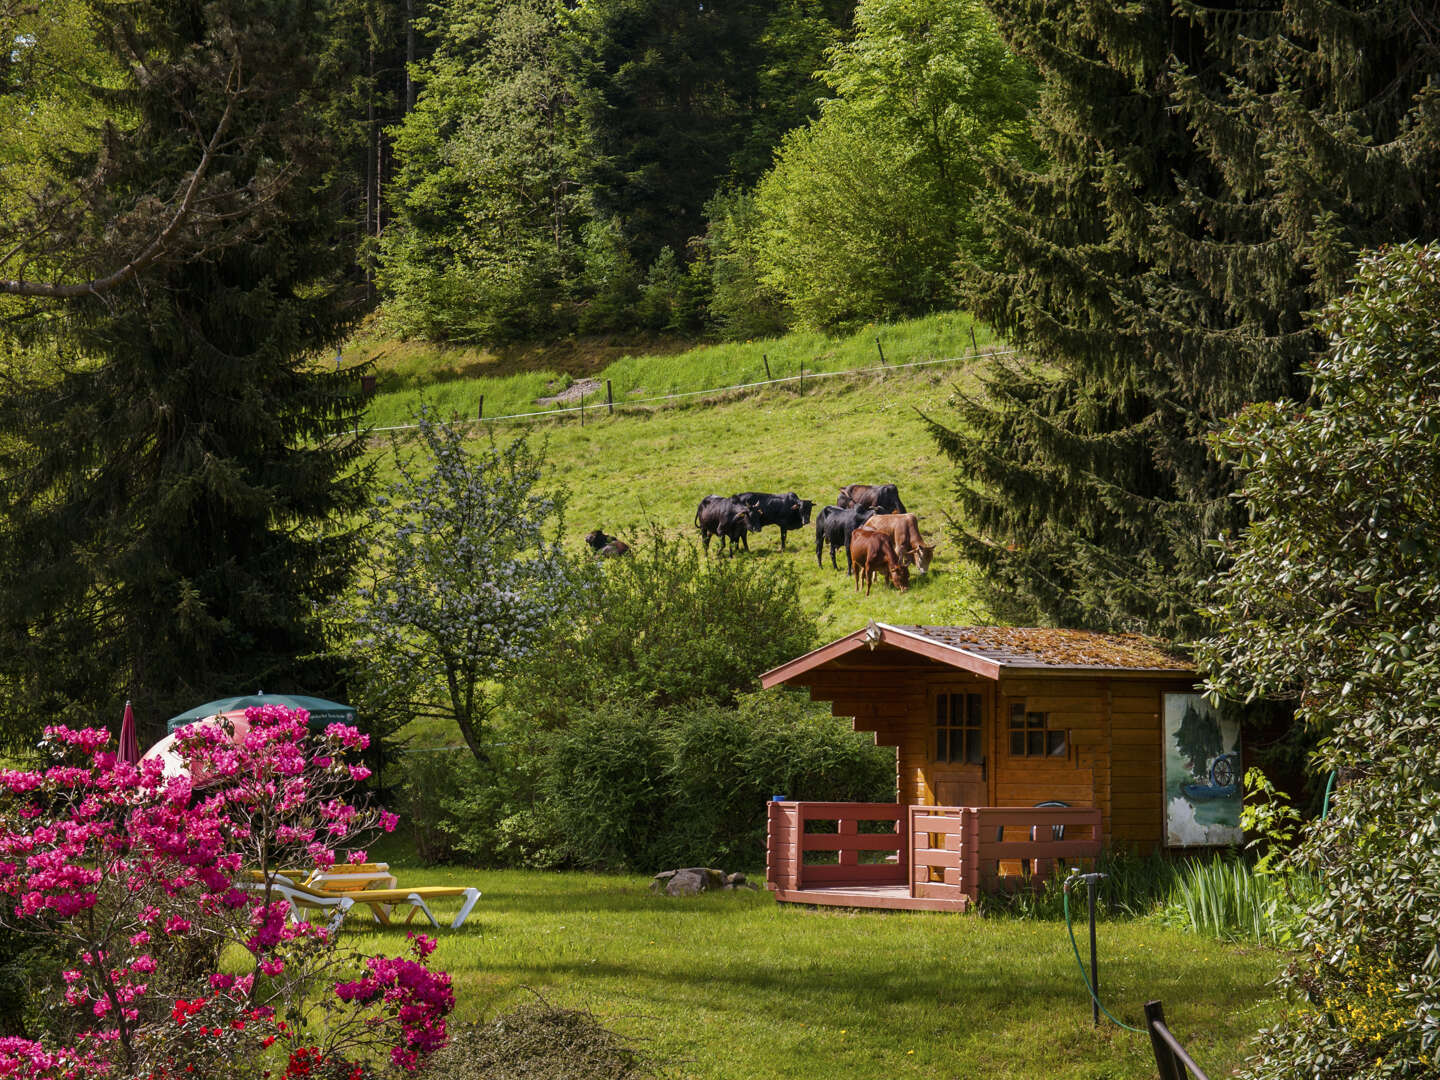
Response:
column 452, row 380
column 648, row 467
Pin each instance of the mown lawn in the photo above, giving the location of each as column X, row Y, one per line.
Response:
column 736, row 986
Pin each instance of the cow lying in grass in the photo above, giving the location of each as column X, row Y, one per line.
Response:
column 607, row 547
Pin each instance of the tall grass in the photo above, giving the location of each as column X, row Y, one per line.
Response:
column 1132, row 885
column 1226, row 899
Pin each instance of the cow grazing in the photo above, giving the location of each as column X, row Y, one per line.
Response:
column 904, row 533
column 726, row 518
column 787, row 511
column 607, row 547
column 834, row 526
column 871, row 551
column 882, row 498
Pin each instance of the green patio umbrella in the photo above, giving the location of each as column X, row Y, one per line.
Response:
column 321, row 711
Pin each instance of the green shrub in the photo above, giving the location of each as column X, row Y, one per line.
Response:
column 646, row 789
column 664, row 625
column 455, row 807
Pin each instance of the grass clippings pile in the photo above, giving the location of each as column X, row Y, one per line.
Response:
column 541, row 1042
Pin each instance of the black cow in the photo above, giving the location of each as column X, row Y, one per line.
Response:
column 726, row 518
column 882, row 498
column 834, row 526
column 787, row 511
column 607, row 547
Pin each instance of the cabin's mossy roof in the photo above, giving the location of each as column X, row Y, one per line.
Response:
column 990, row 651
column 1029, row 646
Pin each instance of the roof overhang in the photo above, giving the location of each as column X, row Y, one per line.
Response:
column 948, row 654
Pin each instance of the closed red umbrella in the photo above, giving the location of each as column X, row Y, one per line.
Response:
column 129, row 745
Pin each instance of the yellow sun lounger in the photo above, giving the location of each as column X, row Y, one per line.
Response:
column 344, row 894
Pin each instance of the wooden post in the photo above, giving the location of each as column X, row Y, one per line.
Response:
column 970, row 859
column 1166, row 1062
column 880, row 351
column 480, row 412
column 973, row 343
column 768, row 376
column 609, row 400
column 802, row 376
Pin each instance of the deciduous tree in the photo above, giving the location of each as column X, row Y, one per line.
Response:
column 466, row 575
column 1333, row 602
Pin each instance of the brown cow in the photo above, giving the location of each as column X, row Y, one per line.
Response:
column 904, row 533
column 870, row 551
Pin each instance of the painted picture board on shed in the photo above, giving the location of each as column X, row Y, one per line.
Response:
column 1203, row 792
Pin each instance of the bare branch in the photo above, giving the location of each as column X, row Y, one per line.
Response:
column 162, row 243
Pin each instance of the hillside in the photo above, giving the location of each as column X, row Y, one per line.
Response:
column 649, row 467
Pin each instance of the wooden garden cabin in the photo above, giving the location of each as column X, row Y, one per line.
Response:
column 989, row 724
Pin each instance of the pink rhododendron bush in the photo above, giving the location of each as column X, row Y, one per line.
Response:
column 180, row 960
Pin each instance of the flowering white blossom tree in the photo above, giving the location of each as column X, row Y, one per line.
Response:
column 466, row 574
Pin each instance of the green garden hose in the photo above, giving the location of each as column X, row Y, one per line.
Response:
column 1069, row 929
column 1325, row 806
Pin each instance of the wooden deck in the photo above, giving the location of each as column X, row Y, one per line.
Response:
column 891, row 897
column 919, row 858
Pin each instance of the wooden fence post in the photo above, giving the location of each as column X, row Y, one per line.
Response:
column 480, row 412
column 609, row 399
column 768, row 377
column 975, row 345
column 1171, row 1068
column 880, row 351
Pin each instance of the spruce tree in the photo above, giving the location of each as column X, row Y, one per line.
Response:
column 177, row 461
column 1211, row 175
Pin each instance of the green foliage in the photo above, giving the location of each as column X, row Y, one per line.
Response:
column 556, row 151
column 867, row 208
column 1210, row 177
column 465, row 576
column 1331, row 598
column 487, row 197
column 665, row 625
column 1231, row 899
column 609, row 277
column 742, row 305
column 176, row 481
column 630, row 787
column 677, row 102
column 1269, row 820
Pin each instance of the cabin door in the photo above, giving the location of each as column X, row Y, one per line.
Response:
column 960, row 744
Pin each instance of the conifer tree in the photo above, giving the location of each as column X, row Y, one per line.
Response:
column 1211, row 174
column 176, row 465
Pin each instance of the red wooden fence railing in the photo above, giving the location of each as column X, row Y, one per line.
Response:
column 941, row 852
column 790, row 841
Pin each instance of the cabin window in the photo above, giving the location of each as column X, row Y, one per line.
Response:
column 1032, row 736
column 959, row 728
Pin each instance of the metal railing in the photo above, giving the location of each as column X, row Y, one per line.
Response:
column 1170, row 1057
